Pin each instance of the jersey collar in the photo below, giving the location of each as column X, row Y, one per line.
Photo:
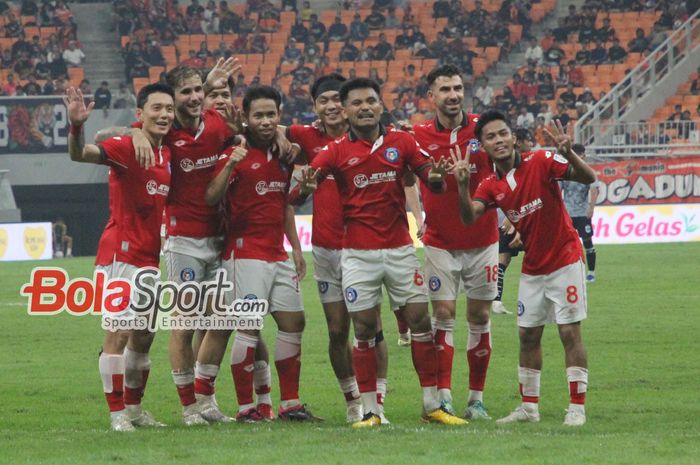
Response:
column 353, row 137
column 200, row 128
column 518, row 162
column 454, row 133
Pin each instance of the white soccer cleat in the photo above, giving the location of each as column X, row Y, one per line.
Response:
column 354, row 412
column 575, row 418
column 140, row 417
column 404, row 339
column 500, row 309
column 121, row 422
column 520, row 414
column 209, row 410
column 191, row 416
column 384, row 420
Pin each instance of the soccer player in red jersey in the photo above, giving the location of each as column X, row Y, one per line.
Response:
column 131, row 239
column 254, row 182
column 369, row 165
column 552, row 284
column 458, row 256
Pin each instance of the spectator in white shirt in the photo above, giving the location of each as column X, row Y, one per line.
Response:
column 525, row 119
column 484, row 92
column 73, row 56
column 534, row 53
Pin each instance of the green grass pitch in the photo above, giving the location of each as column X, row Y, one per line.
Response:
column 643, row 407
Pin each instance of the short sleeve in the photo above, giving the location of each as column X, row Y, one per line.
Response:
column 484, row 193
column 416, row 157
column 118, row 152
column 325, row 160
column 220, row 126
column 221, row 163
column 556, row 165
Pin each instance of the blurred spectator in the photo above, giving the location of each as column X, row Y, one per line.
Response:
column 299, row 32
column 546, row 90
column 392, row 21
column 639, row 43
column 306, row 11
column 525, row 119
column 103, row 97
column 291, row 54
column 616, row 54
column 383, row 50
column 73, row 56
column 606, row 33
column 598, row 54
column 587, row 32
column 583, row 56
column 397, row 113
column 575, row 74
column 441, row 9
column 534, row 53
column 568, row 97
column 312, row 53
column 374, row 75
column 32, row 87
column 359, row 30
column 125, row 98
column 484, row 91
column 554, row 54
column 348, row 52
column 375, row 20
column 404, row 40
column 10, row 87
column 85, row 87
column 337, row 31
column 259, row 44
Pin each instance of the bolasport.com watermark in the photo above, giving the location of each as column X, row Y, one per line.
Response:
column 143, row 302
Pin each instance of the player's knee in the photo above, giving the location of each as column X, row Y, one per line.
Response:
column 338, row 334
column 443, row 310
column 530, row 338
column 478, row 311
column 570, row 335
column 140, row 341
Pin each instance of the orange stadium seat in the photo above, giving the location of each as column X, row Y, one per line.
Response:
column 75, row 75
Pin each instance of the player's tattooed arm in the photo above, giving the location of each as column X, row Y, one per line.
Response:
column 578, row 171
column 217, row 187
column 290, row 230
column 78, row 113
column 469, row 211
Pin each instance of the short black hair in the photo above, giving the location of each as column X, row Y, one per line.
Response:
column 444, row 70
column 523, row 134
column 149, row 89
column 487, row 117
column 260, row 92
column 578, row 148
column 328, row 77
column 358, row 83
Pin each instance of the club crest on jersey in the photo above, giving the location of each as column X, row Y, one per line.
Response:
column 250, row 297
column 187, row 165
column 418, row 278
column 434, row 283
column 521, row 308
column 322, row 287
column 350, row 294
column 187, row 274
column 474, row 145
column 391, row 154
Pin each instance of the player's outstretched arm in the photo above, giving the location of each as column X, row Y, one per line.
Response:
column 78, row 113
column 469, row 211
column 217, row 187
column 219, row 74
column 308, row 183
column 579, row 171
column 290, row 230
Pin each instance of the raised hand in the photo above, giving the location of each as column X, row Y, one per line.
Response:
column 438, row 171
column 222, row 70
column 238, row 154
column 78, row 113
column 308, row 181
column 234, row 118
column 460, row 165
column 557, row 134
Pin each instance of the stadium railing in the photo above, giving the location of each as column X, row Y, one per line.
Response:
column 597, row 126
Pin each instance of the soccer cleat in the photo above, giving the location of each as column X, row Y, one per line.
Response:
column 520, row 414
column 354, row 412
column 383, row 419
column 209, row 410
column 121, row 422
column 370, row 420
column 297, row 413
column 574, row 418
column 404, row 339
column 476, row 410
column 145, row 418
column 590, row 278
column 500, row 309
column 249, row 416
column 442, row 416
column 191, row 416
column 446, row 405
column 266, row 412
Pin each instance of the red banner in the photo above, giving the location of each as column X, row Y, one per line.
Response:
column 649, row 181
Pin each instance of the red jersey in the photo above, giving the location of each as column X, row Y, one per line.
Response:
column 136, row 201
column 529, row 195
column 194, row 158
column 370, row 182
column 327, row 228
column 256, row 200
column 443, row 227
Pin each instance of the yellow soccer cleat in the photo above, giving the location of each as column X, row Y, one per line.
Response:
column 370, row 420
column 443, row 417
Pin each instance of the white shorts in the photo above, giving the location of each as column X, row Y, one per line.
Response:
column 474, row 270
column 276, row 282
column 192, row 259
column 558, row 297
column 121, row 270
column 364, row 272
column 328, row 274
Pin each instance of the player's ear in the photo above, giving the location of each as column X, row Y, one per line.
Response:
column 139, row 114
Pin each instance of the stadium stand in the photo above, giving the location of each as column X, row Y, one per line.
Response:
column 39, row 50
